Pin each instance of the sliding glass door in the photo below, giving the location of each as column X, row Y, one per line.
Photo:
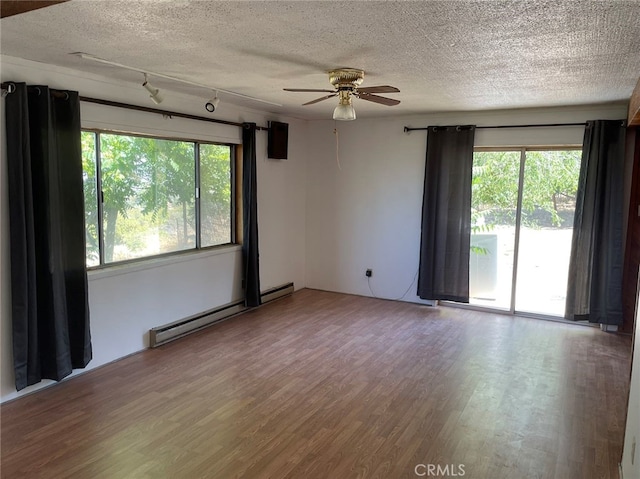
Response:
column 523, row 203
column 494, row 202
column 548, row 205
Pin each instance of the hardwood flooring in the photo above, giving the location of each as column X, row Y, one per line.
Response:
column 325, row 385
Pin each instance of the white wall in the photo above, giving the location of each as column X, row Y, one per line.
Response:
column 631, row 451
column 127, row 301
column 366, row 212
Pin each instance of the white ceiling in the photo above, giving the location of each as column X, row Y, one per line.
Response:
column 442, row 55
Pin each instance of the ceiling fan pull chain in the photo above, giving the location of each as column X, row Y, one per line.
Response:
column 335, row 132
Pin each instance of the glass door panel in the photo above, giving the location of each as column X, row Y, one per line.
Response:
column 546, row 228
column 494, row 201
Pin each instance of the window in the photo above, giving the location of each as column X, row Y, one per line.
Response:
column 157, row 196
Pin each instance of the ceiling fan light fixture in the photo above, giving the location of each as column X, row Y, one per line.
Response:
column 344, row 112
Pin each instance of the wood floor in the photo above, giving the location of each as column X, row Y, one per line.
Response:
column 324, row 385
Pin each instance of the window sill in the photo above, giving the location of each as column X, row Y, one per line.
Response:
column 151, row 263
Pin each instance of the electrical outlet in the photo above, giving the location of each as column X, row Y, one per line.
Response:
column 368, row 273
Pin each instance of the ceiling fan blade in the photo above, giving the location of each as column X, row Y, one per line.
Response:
column 308, row 90
column 379, row 89
column 320, row 99
column 378, row 99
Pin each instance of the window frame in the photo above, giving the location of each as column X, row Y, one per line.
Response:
column 235, row 187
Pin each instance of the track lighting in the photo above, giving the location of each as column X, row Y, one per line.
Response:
column 93, row 58
column 212, row 105
column 344, row 111
column 155, row 93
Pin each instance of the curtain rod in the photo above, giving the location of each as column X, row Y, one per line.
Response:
column 8, row 87
column 407, row 129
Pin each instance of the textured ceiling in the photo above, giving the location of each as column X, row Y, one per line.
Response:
column 442, row 55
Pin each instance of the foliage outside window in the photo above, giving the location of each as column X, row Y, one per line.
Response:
column 149, row 203
column 551, row 183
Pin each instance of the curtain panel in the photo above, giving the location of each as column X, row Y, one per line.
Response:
column 250, row 256
column 50, row 311
column 446, row 214
column 594, row 290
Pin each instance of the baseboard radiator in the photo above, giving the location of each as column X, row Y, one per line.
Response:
column 168, row 332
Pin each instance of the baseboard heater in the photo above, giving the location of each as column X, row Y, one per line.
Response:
column 163, row 334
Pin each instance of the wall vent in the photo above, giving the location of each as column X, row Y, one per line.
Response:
column 177, row 329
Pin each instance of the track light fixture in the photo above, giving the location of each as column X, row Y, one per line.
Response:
column 10, row 88
column 155, row 93
column 212, row 105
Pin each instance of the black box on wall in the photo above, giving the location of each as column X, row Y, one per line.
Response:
column 278, row 141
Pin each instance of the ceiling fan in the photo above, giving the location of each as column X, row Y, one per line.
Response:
column 346, row 82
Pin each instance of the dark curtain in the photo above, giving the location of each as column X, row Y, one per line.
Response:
column 594, row 289
column 446, row 214
column 250, row 256
column 50, row 312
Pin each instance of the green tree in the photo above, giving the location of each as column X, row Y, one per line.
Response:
column 215, row 197
column 550, row 183
column 122, row 165
column 90, row 197
column 169, row 176
column 494, row 186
